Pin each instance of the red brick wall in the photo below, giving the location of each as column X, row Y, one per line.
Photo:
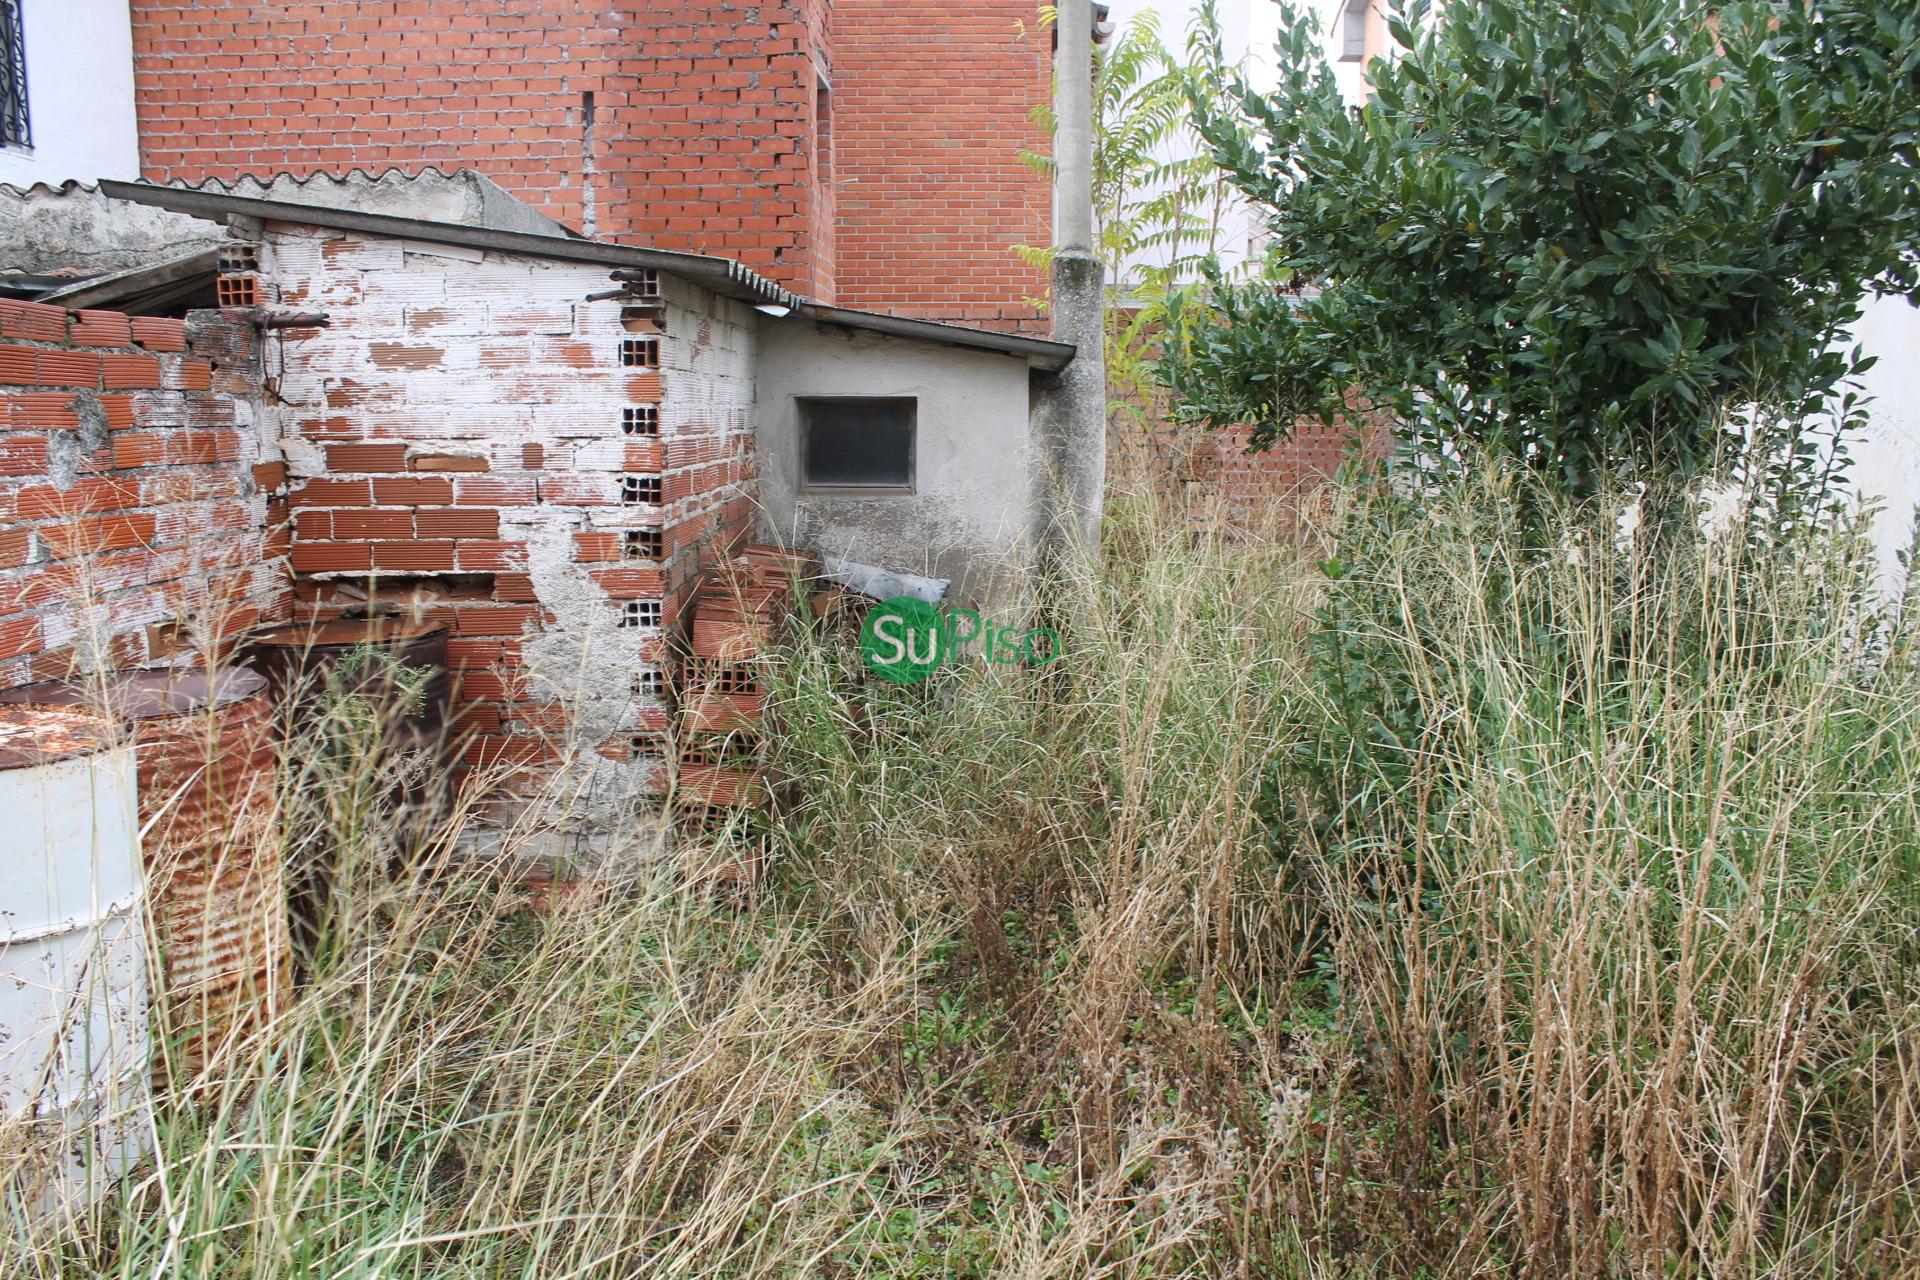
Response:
column 706, row 126
column 707, row 111
column 1210, row 476
column 702, row 109
column 932, row 101
column 137, row 518
column 1245, row 489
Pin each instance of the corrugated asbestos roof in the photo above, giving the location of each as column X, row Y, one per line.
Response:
column 142, row 288
column 721, row 275
column 724, row 277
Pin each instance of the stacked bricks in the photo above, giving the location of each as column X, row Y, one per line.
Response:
column 863, row 153
column 140, row 519
column 474, row 443
column 684, row 124
column 721, row 784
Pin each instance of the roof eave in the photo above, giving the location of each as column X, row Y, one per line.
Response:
column 1039, row 353
column 104, row 291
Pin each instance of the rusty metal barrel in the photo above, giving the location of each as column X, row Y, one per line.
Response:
column 215, row 884
column 74, row 1046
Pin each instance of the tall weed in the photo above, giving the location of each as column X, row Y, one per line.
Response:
column 1486, row 902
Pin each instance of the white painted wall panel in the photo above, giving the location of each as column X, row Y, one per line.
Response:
column 79, row 94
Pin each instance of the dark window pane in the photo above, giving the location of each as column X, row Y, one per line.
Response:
column 858, row 442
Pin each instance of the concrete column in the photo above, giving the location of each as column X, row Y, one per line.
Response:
column 1070, row 419
column 1073, row 127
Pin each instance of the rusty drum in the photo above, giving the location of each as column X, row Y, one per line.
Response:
column 212, row 856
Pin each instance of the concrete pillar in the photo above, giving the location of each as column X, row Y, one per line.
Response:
column 1070, row 419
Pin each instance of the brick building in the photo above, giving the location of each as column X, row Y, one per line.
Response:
column 861, row 153
column 543, row 443
column 483, row 432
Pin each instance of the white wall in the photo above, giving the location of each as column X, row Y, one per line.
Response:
column 967, row 518
column 79, row 94
column 1886, row 461
column 1247, row 31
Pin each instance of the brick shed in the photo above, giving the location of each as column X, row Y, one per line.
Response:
column 545, row 442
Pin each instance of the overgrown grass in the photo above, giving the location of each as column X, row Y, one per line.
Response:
column 1616, row 849
column 1507, row 905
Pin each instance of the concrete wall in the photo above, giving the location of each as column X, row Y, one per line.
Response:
column 969, row 516
column 77, row 231
column 79, row 95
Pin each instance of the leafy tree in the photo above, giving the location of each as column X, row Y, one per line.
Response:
column 1601, row 237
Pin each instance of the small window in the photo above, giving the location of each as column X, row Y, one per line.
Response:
column 15, row 129
column 1353, row 31
column 857, row 444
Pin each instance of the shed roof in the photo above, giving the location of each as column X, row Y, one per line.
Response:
column 1041, row 353
column 721, row 275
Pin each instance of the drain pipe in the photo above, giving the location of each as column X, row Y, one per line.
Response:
column 1070, row 418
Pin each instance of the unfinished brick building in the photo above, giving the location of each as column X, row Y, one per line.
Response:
column 575, row 302
column 856, row 152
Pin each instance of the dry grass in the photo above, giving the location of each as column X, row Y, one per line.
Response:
column 1479, row 913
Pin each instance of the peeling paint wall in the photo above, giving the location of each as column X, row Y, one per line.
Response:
column 473, row 442
column 969, row 516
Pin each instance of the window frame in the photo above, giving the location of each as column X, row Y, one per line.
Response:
column 13, row 53
column 803, row 407
column 1353, row 30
